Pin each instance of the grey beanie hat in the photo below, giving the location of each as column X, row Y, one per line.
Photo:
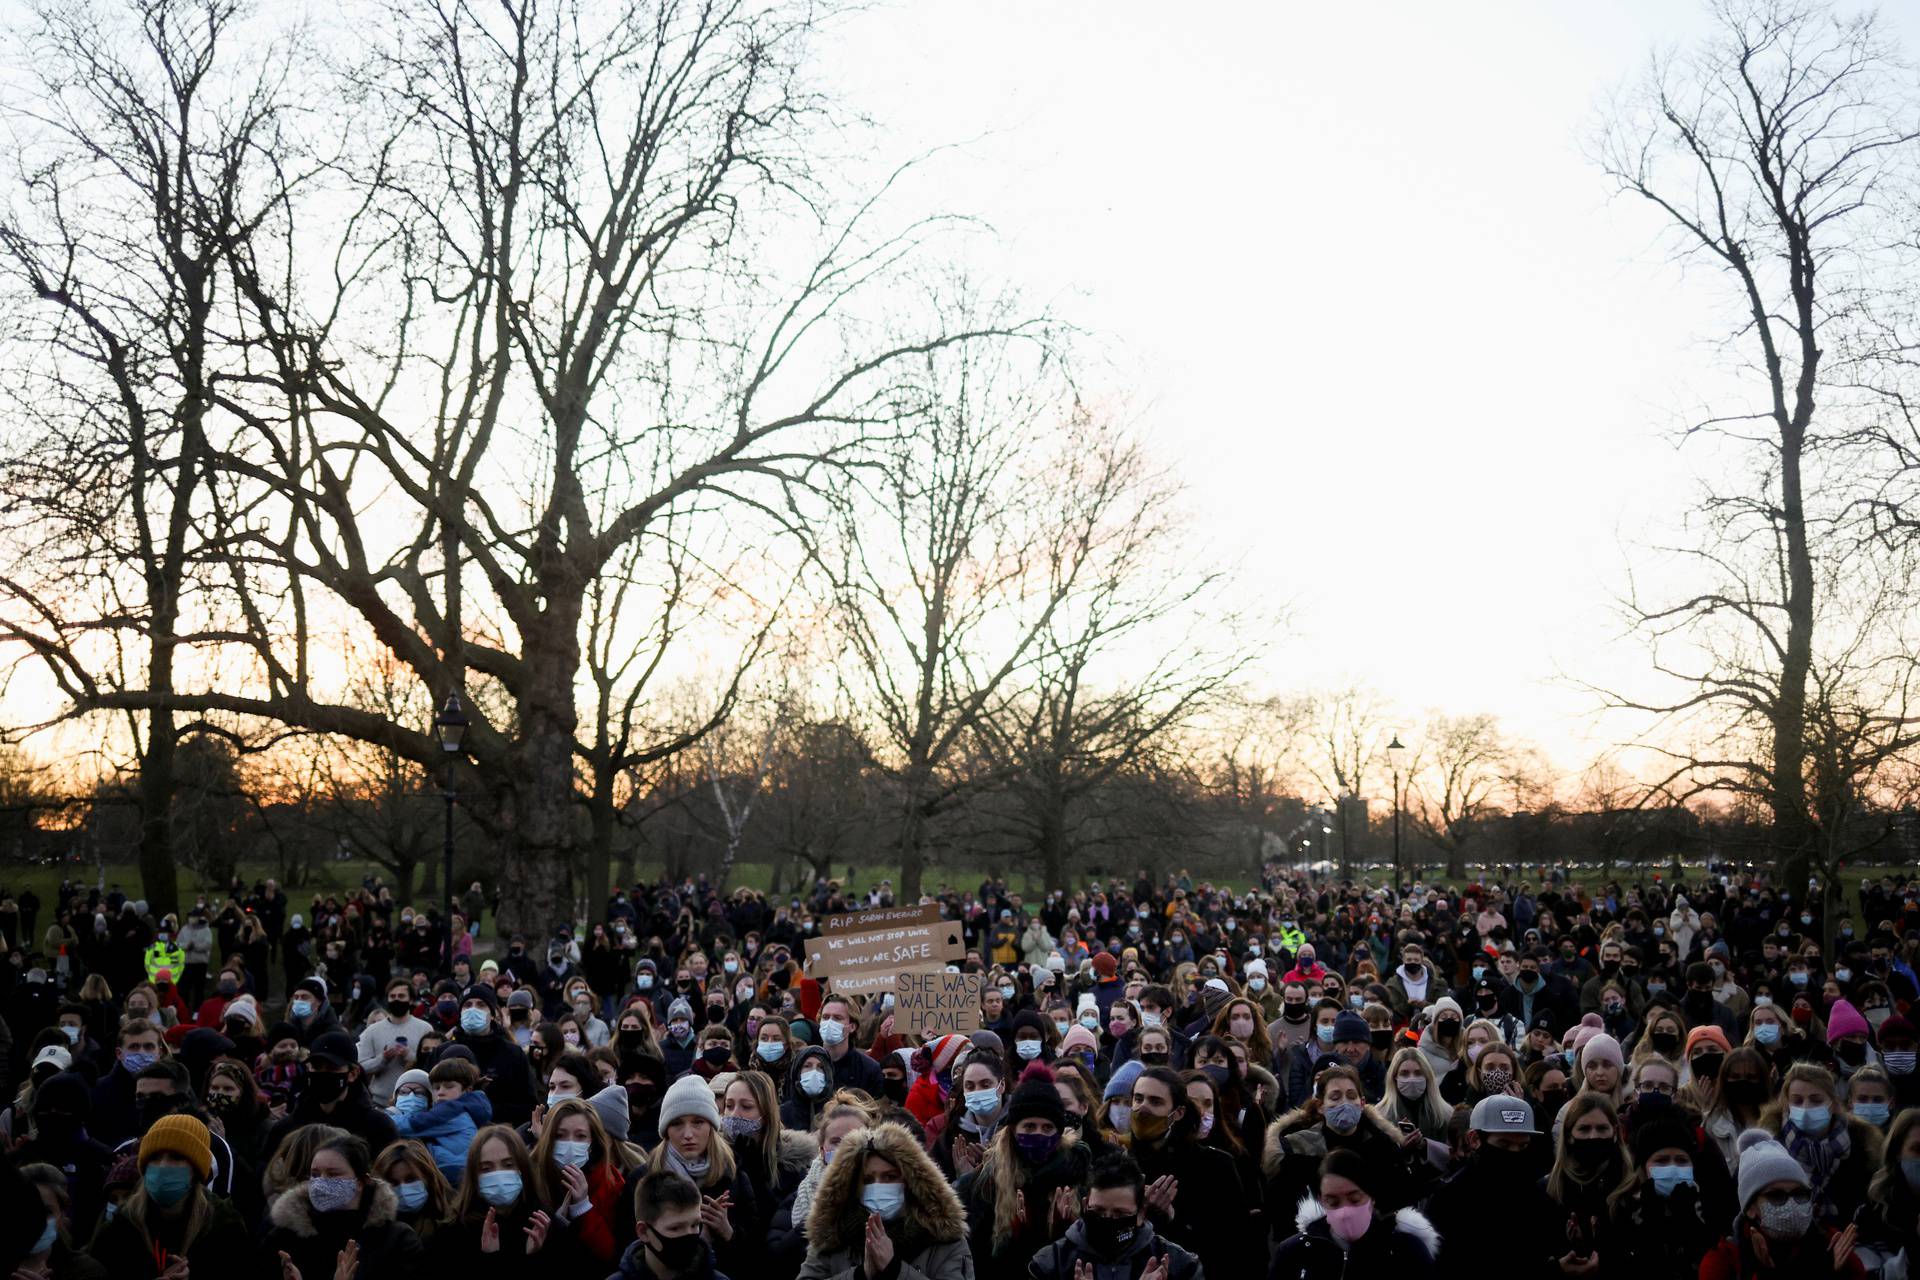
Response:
column 1764, row 1161
column 615, row 1117
column 688, row 1096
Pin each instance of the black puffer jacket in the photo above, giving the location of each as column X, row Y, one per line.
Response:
column 389, row 1250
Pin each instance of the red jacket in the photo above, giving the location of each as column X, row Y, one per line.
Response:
column 1732, row 1260
column 605, row 1186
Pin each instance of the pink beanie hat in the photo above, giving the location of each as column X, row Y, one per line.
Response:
column 1844, row 1020
column 1601, row 1048
column 1078, row 1038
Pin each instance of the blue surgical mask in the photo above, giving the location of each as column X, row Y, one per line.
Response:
column 813, row 1083
column 1149, row 1019
column 1091, row 1021
column 500, row 1187
column 301, row 1008
column 1061, row 1028
column 167, row 1184
column 1668, row 1176
column 474, row 1021
column 555, row 1099
column 1874, row 1113
column 409, row 1103
column 831, row 1032
column 411, row 1195
column 770, row 1050
column 1028, row 1049
column 1325, row 1032
column 1767, row 1033
column 1343, row 1117
column 1812, row 1121
column 135, row 1063
column 884, row 1198
column 572, row 1153
column 983, row 1102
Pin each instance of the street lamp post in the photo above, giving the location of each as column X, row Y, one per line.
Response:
column 1395, row 750
column 449, row 726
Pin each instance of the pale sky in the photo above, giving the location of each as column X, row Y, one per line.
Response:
column 1417, row 367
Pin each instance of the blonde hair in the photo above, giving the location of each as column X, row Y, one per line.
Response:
column 720, row 1163
column 289, row 1164
column 1432, row 1113
column 1003, row 1170
column 760, row 1085
column 439, row 1206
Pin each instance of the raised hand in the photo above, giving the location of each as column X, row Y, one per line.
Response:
column 1160, row 1194
column 879, row 1246
column 1842, row 1247
column 713, row 1216
column 576, row 1181
column 1066, row 1208
column 490, row 1233
column 1156, row 1269
column 347, row 1262
column 533, row 1125
column 537, row 1231
column 288, row 1271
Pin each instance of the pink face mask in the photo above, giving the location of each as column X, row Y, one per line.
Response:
column 1350, row 1221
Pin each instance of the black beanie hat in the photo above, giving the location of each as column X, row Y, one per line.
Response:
column 1658, row 1125
column 1036, row 1098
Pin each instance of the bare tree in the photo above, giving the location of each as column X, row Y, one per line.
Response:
column 1775, row 152
column 136, row 180
column 1455, row 777
column 568, row 275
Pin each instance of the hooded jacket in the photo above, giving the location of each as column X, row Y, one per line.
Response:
column 930, row 1235
column 1058, row 1260
column 1401, row 1244
column 388, row 1247
column 1299, row 1140
column 800, row 1108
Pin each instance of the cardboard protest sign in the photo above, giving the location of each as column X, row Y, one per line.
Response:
column 880, row 918
column 936, row 1003
column 869, row 961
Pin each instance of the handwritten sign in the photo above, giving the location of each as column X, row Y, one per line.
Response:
column 880, row 918
column 936, row 1003
column 862, row 962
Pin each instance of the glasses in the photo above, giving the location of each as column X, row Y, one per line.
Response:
column 1781, row 1198
column 1665, row 1090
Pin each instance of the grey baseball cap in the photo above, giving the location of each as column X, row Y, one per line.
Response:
column 1502, row 1114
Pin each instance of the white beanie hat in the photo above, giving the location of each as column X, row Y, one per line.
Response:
column 413, row 1075
column 1256, row 967
column 688, row 1096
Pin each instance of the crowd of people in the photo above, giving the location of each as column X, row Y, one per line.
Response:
column 1170, row 1080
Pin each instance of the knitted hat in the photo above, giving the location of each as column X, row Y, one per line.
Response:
column 183, row 1136
column 943, row 1050
column 413, row 1076
column 679, row 1010
column 1121, row 1085
column 1256, row 968
column 1105, row 965
column 65, row 1092
column 1844, row 1020
column 242, row 1007
column 1350, row 1027
column 1707, row 1034
column 1086, row 1004
column 1036, row 1098
column 1896, row 1026
column 482, row 991
column 1658, row 1125
column 1764, row 1161
column 123, row 1175
column 1028, row 1020
column 1601, row 1048
column 611, row 1104
column 688, row 1096
column 1444, row 1005
column 1078, row 1038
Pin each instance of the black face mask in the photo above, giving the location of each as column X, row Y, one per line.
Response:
column 152, row 1106
column 1664, row 1042
column 399, row 1008
column 1707, row 1066
column 326, row 1086
column 896, row 1090
column 676, row 1253
column 1294, row 1011
column 715, row 1056
column 1154, row 1059
column 631, row 1038
column 1383, row 1040
column 1591, row 1153
column 1747, row 1093
column 1446, row 1029
column 1109, row 1237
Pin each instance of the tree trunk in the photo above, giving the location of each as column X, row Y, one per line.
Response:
column 600, row 851
column 913, row 849
column 1456, row 863
column 536, row 876
column 159, row 879
column 1794, row 832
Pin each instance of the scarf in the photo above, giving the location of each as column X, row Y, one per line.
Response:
column 1821, row 1155
column 694, row 1172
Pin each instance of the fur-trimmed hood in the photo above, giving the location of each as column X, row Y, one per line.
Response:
column 797, row 1151
column 1408, row 1222
column 1298, row 1133
column 933, row 1214
column 293, row 1210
